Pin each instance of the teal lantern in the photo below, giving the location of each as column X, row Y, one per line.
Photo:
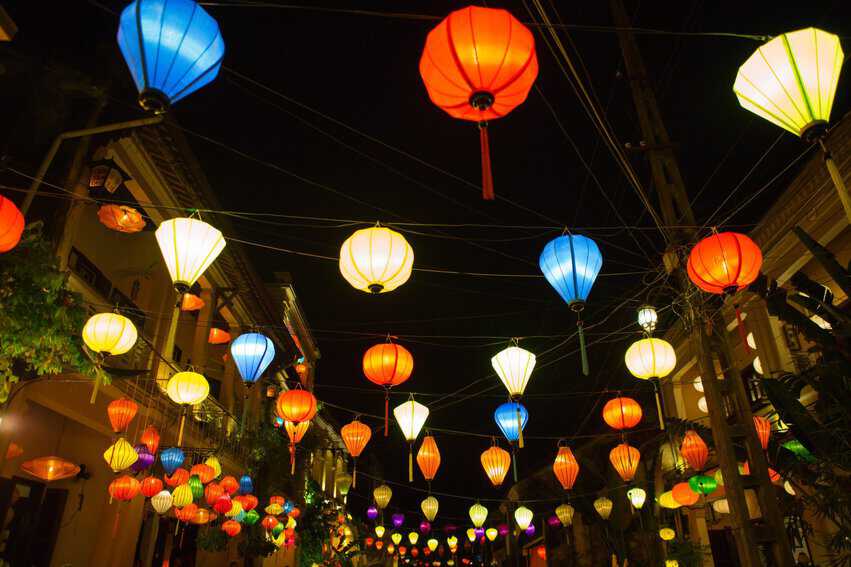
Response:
column 172, row 47
column 703, row 484
column 571, row 264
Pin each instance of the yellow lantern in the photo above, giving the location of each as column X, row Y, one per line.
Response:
column 213, row 461
column 650, row 358
column 376, row 260
column 491, row 534
column 564, row 513
column 109, row 334
column 471, row 534
column 382, row 495
column 120, row 455
column 666, row 500
column 235, row 509
column 274, row 509
column 379, row 531
column 182, row 495
column 721, row 506
column 672, row 563
column 413, row 537
column 411, row 416
column 187, row 388
column 396, row 537
column 452, row 541
column 667, row 534
column 291, row 522
column 188, row 247
column 429, row 507
column 523, row 516
column 478, row 514
column 432, row 544
column 514, row 367
column 603, row 506
column 636, row 496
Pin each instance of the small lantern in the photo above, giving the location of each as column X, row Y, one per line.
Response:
column 566, row 467
column 622, row 413
column 637, row 497
column 355, row 435
column 151, row 486
column 387, row 364
column 624, row 459
column 411, row 416
column 121, row 412
column 161, row 502
column 694, row 450
column 478, row 514
column 105, row 175
column 513, row 366
column 667, row 534
column 151, row 438
column 171, row 459
column 603, row 506
column 428, row 458
column 124, row 488
column 121, row 218
column 647, row 318
column 382, row 495
column 191, row 302
column 523, row 516
column 564, row 512
column 120, row 455
column 429, row 506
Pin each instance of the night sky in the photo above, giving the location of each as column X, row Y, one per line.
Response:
column 361, row 72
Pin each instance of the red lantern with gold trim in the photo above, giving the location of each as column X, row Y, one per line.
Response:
column 624, row 459
column 566, row 468
column 694, row 450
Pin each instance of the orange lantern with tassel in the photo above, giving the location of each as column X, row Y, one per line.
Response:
column 355, row 435
column 428, row 458
column 496, row 461
column 296, row 405
column 121, row 412
column 121, row 218
column 124, row 488
column 295, row 431
column 151, row 439
column 694, row 450
column 566, row 467
column 624, row 459
column 622, row 413
column 151, row 486
column 387, row 365
column 478, row 64
column 763, row 430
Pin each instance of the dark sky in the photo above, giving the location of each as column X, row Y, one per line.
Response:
column 362, row 71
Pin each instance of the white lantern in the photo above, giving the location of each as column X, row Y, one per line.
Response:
column 636, row 496
column 478, row 514
column 514, row 367
column 523, row 516
column 650, row 358
column 701, row 404
column 647, row 318
column 376, row 260
column 751, row 341
column 411, row 416
column 757, row 365
column 188, row 247
column 698, row 384
column 161, row 501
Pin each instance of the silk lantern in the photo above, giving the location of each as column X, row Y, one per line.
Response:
column 178, row 477
column 647, row 318
column 429, row 506
column 432, row 544
column 491, row 534
column 396, row 537
column 223, row 504
column 694, row 450
column 496, row 461
column 666, row 500
column 203, row 516
column 11, row 224
column 428, row 458
column 478, row 514
column 622, row 413
column 161, row 502
column 763, row 430
column 182, row 496
column 151, row 486
column 296, row 406
column 425, row 527
column 204, row 472
column 121, row 218
column 245, row 484
column 398, row 519
column 249, row 502
column 523, row 516
column 471, row 534
column 252, row 353
column 121, row 412
column 212, row 493
column 411, row 416
column 479, row 64
column 387, row 365
column 189, row 246
column 564, row 512
column 355, row 435
column 171, row 459
column 667, row 534
column 144, row 459
column 196, row 487
column 120, row 455
column 251, row 518
column 229, row 484
column 172, row 48
column 108, row 334
column 379, row 531
column 703, row 484
column 372, row 512
column 624, row 459
column 566, row 467
column 637, row 497
column 218, row 336
column 376, row 260
column 651, row 358
column 382, row 495
column 232, row 528
column 683, row 494
column 603, row 506
column 505, row 417
column 571, row 264
column 151, row 438
column 513, row 365
column 50, row 468
column 186, row 389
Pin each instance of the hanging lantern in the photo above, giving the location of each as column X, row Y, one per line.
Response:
column 245, row 484
column 396, row 537
column 505, row 417
column 523, row 516
column 647, row 318
column 376, row 259
column 11, row 224
column 252, row 353
column 411, row 416
column 188, row 247
column 223, row 504
column 120, row 455
column 372, row 512
column 109, row 334
column 379, row 531
column 624, row 459
column 203, row 516
column 296, row 405
column 496, row 461
column 121, row 412
column 151, row 438
column 702, row 405
column 121, row 218
column 387, row 365
column 478, row 64
column 763, row 430
column 564, row 512
column 672, row 563
column 186, row 513
column 694, row 450
column 191, row 302
column 413, row 537
column 296, row 431
column 432, row 544
column 478, row 514
column 622, row 413
column 218, row 336
column 178, row 477
column 428, row 458
column 249, row 502
column 161, row 502
column 50, row 468
column 269, row 523
column 151, row 486
column 379, row 544
column 144, row 459
column 232, row 528
column 637, row 497
column 212, row 493
column 124, row 488
column 650, row 358
column 429, row 506
column 666, row 500
column 425, row 527
column 229, row 484
column 171, row 459
column 703, row 484
column 452, row 541
column 667, row 534
column 251, row 518
column 566, row 467
column 14, row 451
column 182, row 495
column 235, row 508
column 382, row 495
column 398, row 519
column 471, row 534
column 514, row 367
column 172, row 49
column 603, row 506
column 355, row 435
column 698, row 384
column 684, row 495
column 204, row 472
column 187, row 388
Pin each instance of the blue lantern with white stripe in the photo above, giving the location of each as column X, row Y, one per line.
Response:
column 171, row 459
column 571, row 263
column 172, row 47
column 245, row 484
column 506, row 418
column 252, row 353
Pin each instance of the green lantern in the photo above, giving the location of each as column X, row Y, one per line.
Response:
column 251, row 518
column 797, row 448
column 703, row 484
column 196, row 486
column 278, row 529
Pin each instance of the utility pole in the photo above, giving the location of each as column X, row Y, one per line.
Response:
column 707, row 331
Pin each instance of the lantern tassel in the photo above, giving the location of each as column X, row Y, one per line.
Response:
column 519, row 428
column 741, row 325
column 355, row 475
column 487, row 177
column 514, row 465
column 115, row 523
column 582, row 350
column 180, row 434
column 386, row 410
column 411, row 463
column 97, row 384
column 292, row 459
column 659, row 405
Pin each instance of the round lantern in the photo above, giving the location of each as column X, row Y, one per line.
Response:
column 151, row 486
column 232, row 528
column 429, row 506
column 124, row 488
column 372, row 512
column 478, row 64
column 109, row 334
column 566, row 467
column 666, row 500
column 694, row 450
column 382, row 495
column 667, row 534
column 203, row 516
column 624, row 459
column 121, row 412
column 523, row 516
column 637, row 497
column 212, row 492
column 703, row 484
column 188, row 246
column 251, row 518
column 178, row 477
column 411, row 416
column 506, row 418
column 724, row 263
column 197, row 488
column 151, row 438
column 204, row 472
column 355, row 435
column 496, row 461
column 121, row 218
column 387, row 365
column 11, row 224
column 650, row 358
column 252, row 353
column 452, row 541
column 269, row 522
column 249, row 502
column 187, row 388
column 171, row 459
column 647, row 318
column 120, row 455
column 564, row 512
column 223, row 504
column 161, row 502
column 763, row 430
column 235, row 508
column 428, row 458
column 622, row 413
column 425, row 527
column 684, row 495
column 478, row 514
column 296, row 405
column 376, row 260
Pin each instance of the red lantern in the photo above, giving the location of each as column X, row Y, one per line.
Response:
column 223, row 504
column 387, row 365
column 763, row 430
column 186, row 513
column 541, row 552
column 178, row 477
column 121, row 218
column 694, row 450
column 249, row 502
column 496, row 461
column 269, row 522
column 232, row 528
column 218, row 336
column 191, row 302
column 428, row 458
column 229, row 484
column 11, row 224
column 121, row 412
column 479, row 64
column 355, row 435
column 205, row 472
column 684, row 495
column 212, row 492
column 124, row 488
column 151, row 438
column 622, row 413
column 295, row 513
column 625, row 459
column 151, row 486
column 566, row 467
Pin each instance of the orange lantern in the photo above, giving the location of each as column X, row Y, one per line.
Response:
column 151, row 486
column 296, row 405
column 218, row 336
column 229, row 484
column 566, row 467
column 625, row 459
column 191, row 302
column 479, row 64
column 355, row 435
column 428, row 458
column 121, row 218
column 11, row 224
column 178, row 477
column 121, row 412
column 295, row 431
column 279, row 500
column 387, row 365
column 203, row 516
column 763, row 430
column 295, row 513
column 269, row 522
column 14, row 451
column 232, row 528
column 683, row 494
column 186, row 513
column 124, row 488
column 694, row 450
column 622, row 413
column 205, row 472
column 249, row 502
column 541, row 552
column 50, row 468
column 773, row 475
column 496, row 461
column 151, row 439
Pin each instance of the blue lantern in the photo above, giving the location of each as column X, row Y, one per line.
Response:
column 571, row 263
column 172, row 47
column 245, row 484
column 288, row 506
column 507, row 420
column 171, row 459
column 252, row 353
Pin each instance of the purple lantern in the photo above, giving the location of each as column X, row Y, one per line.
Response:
column 554, row 522
column 502, row 529
column 372, row 512
column 530, row 531
column 145, row 460
column 479, row 532
column 398, row 520
column 425, row 527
